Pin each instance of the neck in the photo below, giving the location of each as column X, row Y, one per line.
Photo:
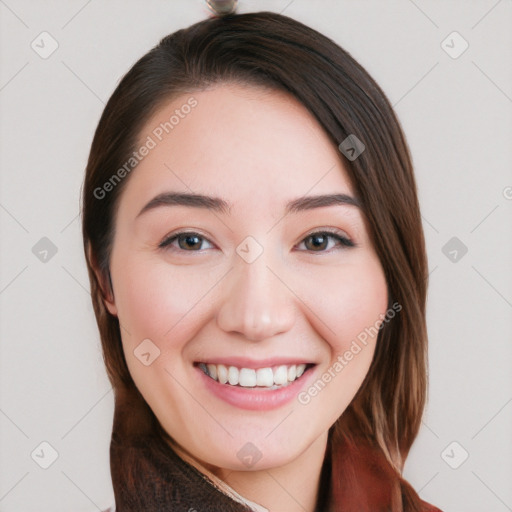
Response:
column 292, row 487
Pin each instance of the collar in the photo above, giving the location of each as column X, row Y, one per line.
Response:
column 217, row 482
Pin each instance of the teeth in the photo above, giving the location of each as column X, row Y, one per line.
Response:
column 247, row 378
column 281, row 375
column 277, row 376
column 233, row 375
column 265, row 377
column 222, row 373
column 212, row 370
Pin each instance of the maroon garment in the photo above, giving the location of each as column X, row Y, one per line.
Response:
column 362, row 480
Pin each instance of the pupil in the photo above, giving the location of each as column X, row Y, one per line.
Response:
column 318, row 240
column 191, row 241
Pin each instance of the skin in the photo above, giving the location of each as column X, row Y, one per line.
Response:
column 256, row 149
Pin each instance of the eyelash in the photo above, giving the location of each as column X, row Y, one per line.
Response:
column 343, row 241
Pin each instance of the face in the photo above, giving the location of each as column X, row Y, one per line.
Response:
column 242, row 315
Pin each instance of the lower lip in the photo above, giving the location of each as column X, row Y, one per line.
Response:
column 255, row 399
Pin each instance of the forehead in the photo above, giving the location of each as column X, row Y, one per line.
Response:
column 238, row 142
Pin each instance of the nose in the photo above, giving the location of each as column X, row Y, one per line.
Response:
column 255, row 302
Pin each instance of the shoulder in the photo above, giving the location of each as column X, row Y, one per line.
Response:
column 427, row 507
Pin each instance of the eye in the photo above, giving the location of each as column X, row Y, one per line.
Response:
column 186, row 240
column 319, row 241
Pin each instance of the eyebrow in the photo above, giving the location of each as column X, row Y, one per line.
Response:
column 220, row 205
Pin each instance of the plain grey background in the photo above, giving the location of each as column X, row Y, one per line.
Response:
column 453, row 95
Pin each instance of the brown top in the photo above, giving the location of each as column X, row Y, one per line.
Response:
column 155, row 478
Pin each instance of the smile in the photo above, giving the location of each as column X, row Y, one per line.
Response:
column 274, row 377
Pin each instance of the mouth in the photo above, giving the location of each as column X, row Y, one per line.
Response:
column 266, row 378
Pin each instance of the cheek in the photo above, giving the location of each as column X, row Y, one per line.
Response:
column 349, row 309
column 167, row 306
column 349, row 302
column 157, row 302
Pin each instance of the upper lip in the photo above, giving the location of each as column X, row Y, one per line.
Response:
column 244, row 362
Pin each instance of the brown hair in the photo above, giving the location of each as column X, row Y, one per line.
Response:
column 275, row 51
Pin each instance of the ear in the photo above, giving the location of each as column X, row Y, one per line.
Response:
column 108, row 297
column 105, row 283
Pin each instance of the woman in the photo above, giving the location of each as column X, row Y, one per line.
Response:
column 258, row 274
